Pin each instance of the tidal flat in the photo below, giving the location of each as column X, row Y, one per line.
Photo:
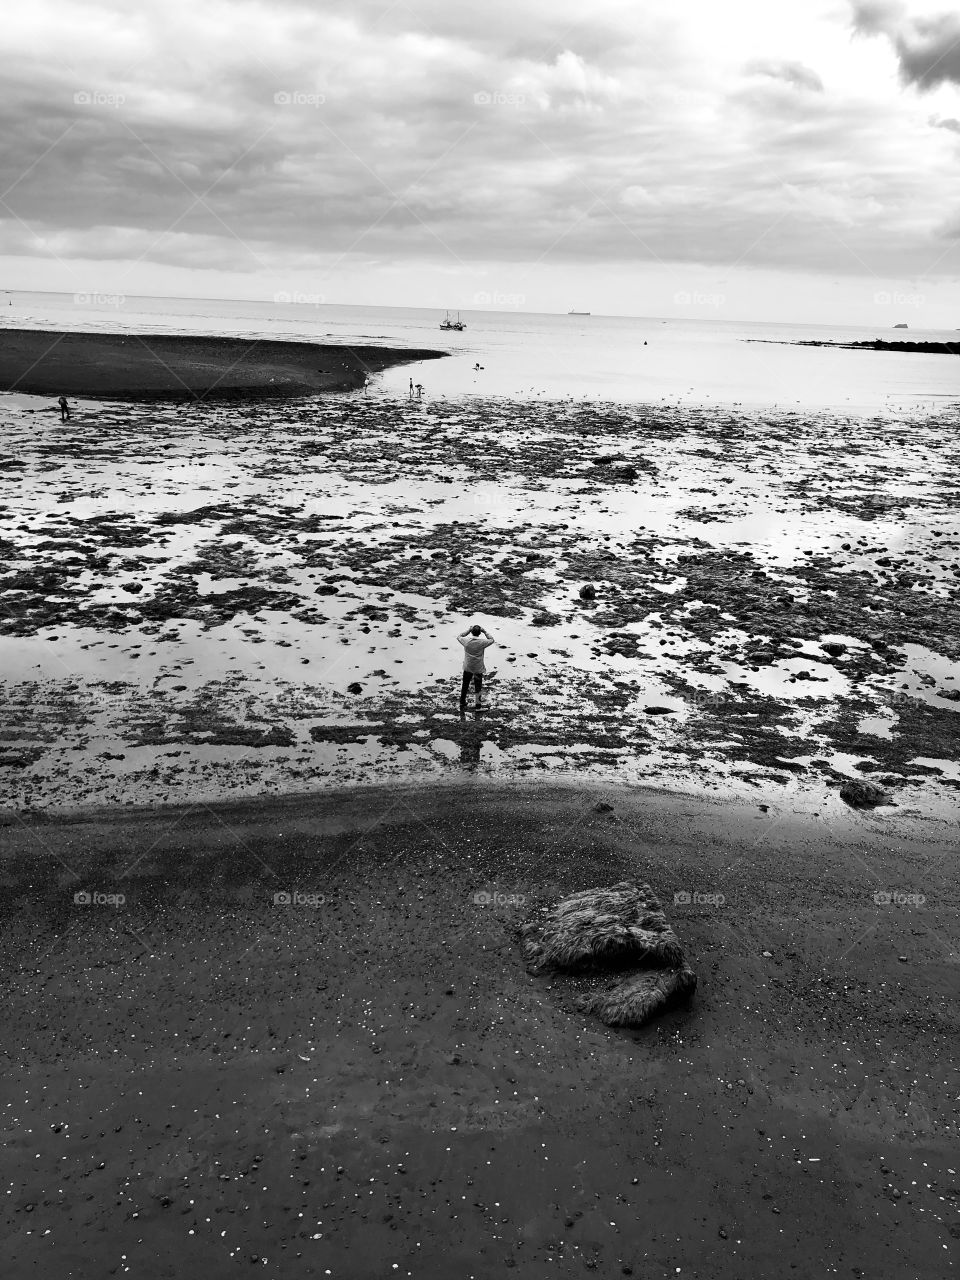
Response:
column 229, row 599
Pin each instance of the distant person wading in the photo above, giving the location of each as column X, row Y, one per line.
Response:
column 64, row 408
column 474, row 642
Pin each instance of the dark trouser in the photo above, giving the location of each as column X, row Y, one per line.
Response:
column 477, row 679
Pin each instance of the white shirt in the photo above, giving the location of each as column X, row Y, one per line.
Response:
column 473, row 647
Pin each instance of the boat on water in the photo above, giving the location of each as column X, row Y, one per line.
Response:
column 578, row 313
column 447, row 323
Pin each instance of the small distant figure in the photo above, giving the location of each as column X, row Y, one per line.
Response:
column 474, row 641
column 478, row 368
column 419, row 390
column 410, row 392
column 64, row 408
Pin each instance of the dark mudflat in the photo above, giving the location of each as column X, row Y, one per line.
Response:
column 152, row 367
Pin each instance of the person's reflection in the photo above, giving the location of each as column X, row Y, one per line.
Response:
column 471, row 739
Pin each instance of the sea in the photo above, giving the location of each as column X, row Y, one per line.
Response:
column 527, row 356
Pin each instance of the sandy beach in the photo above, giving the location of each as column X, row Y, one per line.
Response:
column 257, row 1014
column 363, row 1080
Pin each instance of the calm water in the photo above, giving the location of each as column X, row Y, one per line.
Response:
column 549, row 356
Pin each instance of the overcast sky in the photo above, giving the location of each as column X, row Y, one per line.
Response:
column 768, row 159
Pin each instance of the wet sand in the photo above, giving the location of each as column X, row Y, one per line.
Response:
column 163, row 366
column 365, row 1081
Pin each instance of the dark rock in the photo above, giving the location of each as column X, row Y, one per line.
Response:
column 953, row 695
column 588, row 591
column 863, row 795
column 834, row 649
column 602, row 807
column 327, row 589
column 659, row 711
column 355, row 688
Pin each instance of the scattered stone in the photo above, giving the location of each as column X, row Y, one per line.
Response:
column 863, row 795
column 355, row 687
column 635, row 1001
column 627, row 474
column 597, row 926
column 588, row 591
column 620, row 931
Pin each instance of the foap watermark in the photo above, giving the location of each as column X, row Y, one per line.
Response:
column 484, row 299
column 896, row 701
column 488, row 898
column 99, row 299
column 98, row 98
column 94, row 898
column 491, row 497
column 297, row 98
column 896, row 898
column 691, row 298
column 297, row 299
column 295, row 898
column 494, row 98
column 704, row 699
column 891, row 298
column 684, row 898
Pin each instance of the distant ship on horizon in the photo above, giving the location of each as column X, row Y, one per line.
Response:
column 578, row 313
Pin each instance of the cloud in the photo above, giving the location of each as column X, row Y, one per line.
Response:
column 876, row 17
column 927, row 48
column 952, row 125
column 792, row 73
column 252, row 136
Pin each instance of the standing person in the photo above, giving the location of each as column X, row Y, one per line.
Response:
column 410, row 392
column 64, row 410
column 474, row 641
column 419, row 390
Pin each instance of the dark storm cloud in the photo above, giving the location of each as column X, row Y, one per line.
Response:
column 927, row 48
